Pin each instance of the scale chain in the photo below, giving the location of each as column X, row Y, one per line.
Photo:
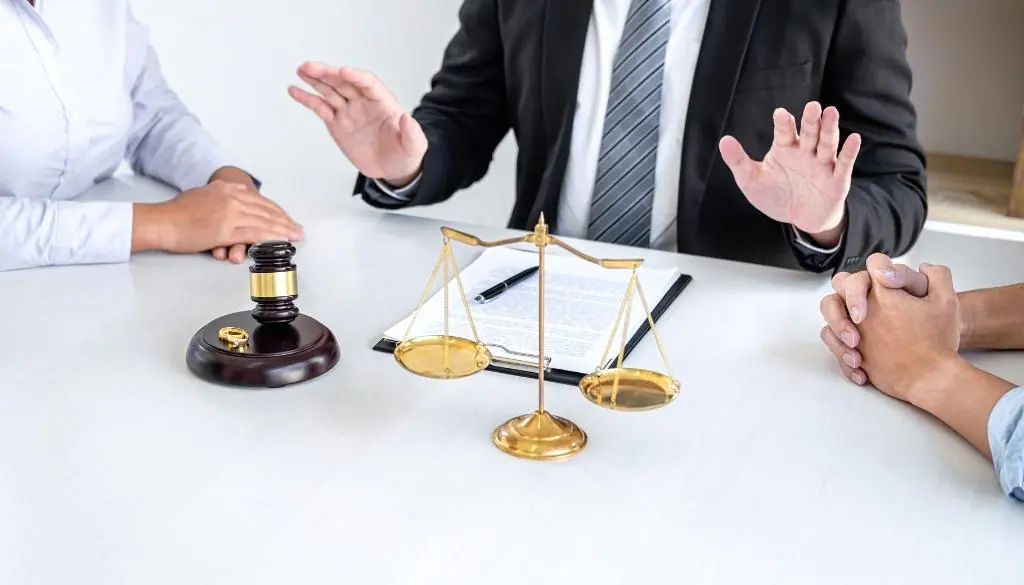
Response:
column 465, row 301
column 625, row 329
column 654, row 331
column 618, row 321
column 447, row 341
column 426, row 293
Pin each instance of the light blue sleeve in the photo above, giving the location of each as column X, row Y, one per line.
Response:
column 166, row 142
column 1006, row 440
column 44, row 233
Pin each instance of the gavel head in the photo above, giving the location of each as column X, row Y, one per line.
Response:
column 272, row 282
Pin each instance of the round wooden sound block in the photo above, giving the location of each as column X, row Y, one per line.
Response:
column 275, row 355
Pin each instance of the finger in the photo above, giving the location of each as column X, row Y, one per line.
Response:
column 237, row 253
column 252, row 235
column 259, row 218
column 340, row 86
column 331, row 76
column 257, row 201
column 220, row 253
column 838, row 280
column 256, row 211
column 897, row 276
column 833, row 309
column 849, row 359
column 785, row 128
column 326, row 91
column 848, row 157
column 855, row 293
column 246, row 198
column 367, row 83
column 879, row 263
column 317, row 69
column 856, row 375
column 940, row 281
column 828, row 137
column 913, row 281
column 255, row 198
column 810, row 126
column 414, row 141
column 744, row 170
column 315, row 103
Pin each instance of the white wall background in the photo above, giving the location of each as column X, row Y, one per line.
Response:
column 232, row 60
column 968, row 61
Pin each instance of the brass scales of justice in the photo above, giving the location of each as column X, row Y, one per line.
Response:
column 539, row 435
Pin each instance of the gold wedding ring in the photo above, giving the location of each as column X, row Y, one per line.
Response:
column 233, row 337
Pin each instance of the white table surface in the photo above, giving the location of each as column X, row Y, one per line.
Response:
column 118, row 466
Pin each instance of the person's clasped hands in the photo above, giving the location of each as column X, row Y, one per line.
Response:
column 893, row 326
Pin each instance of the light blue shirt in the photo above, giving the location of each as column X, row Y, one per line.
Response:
column 81, row 92
column 1006, row 440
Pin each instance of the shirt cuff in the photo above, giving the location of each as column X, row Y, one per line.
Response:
column 1006, row 441
column 95, row 232
column 403, row 194
column 806, row 241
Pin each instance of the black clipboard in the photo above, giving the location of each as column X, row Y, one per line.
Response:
column 566, row 376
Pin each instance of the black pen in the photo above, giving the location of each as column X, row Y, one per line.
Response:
column 496, row 290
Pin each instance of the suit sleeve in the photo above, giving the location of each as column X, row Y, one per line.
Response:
column 464, row 115
column 868, row 79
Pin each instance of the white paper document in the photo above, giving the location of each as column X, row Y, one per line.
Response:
column 581, row 304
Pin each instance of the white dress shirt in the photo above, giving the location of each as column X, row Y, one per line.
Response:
column 80, row 92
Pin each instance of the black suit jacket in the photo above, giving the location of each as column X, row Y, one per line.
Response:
column 515, row 64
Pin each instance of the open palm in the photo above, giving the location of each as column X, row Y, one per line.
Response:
column 365, row 120
column 803, row 180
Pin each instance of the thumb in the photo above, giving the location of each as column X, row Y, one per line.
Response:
column 940, row 281
column 414, row 142
column 744, row 170
column 896, row 276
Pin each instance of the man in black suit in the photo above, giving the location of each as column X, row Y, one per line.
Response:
column 630, row 115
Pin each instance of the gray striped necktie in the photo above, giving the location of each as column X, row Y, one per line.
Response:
column 624, row 182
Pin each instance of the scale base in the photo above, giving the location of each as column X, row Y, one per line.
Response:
column 277, row 355
column 540, row 435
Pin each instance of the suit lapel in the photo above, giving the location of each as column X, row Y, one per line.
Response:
column 564, row 35
column 726, row 35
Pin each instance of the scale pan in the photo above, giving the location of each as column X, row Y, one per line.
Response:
column 637, row 390
column 425, row 356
